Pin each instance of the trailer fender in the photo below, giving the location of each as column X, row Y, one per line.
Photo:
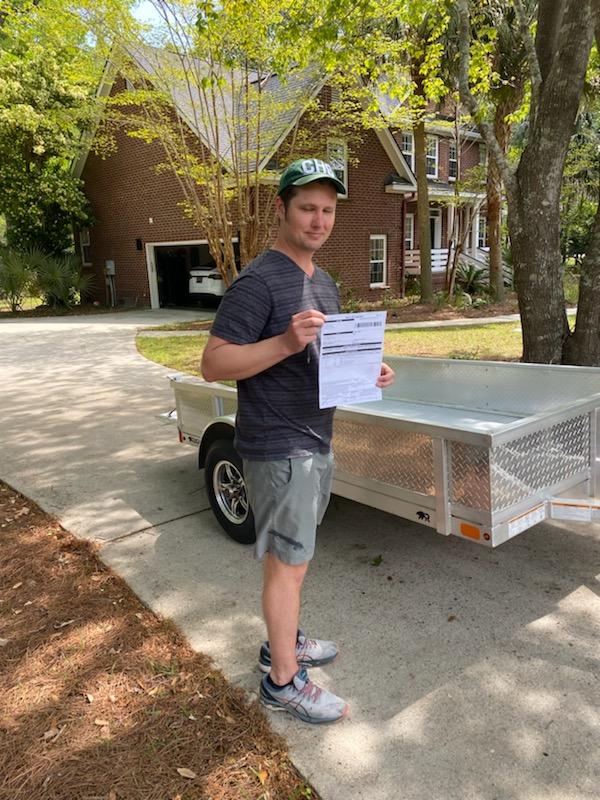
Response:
column 220, row 429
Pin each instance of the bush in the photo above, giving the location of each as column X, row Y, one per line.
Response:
column 440, row 299
column 471, row 279
column 413, row 286
column 59, row 279
column 16, row 277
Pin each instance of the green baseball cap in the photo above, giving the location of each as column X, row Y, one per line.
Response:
column 306, row 170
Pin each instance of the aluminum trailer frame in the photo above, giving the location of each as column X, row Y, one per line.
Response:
column 479, row 449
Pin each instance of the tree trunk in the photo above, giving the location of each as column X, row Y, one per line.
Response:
column 583, row 346
column 494, row 205
column 534, row 197
column 533, row 228
column 423, row 212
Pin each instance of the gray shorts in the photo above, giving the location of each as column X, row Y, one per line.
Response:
column 288, row 499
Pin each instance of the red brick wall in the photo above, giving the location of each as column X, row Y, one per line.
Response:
column 125, row 192
column 367, row 210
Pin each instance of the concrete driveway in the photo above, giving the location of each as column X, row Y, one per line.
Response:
column 472, row 674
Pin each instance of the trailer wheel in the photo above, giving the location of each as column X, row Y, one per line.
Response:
column 227, row 491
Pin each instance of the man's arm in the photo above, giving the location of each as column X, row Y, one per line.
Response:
column 223, row 360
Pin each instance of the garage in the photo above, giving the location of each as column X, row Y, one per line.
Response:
column 184, row 274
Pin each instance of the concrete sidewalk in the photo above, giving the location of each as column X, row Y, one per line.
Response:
column 471, row 674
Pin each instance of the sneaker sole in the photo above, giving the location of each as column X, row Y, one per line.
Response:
column 307, row 665
column 276, row 707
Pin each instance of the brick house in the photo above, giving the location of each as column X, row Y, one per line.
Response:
column 142, row 235
column 444, row 167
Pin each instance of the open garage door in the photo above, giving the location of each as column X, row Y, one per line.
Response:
column 184, row 274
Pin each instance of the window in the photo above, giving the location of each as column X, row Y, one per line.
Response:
column 432, row 156
column 482, row 154
column 337, row 155
column 409, row 232
column 482, row 231
column 452, row 162
column 408, row 149
column 84, row 244
column 378, row 260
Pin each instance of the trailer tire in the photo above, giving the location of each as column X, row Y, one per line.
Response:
column 226, row 490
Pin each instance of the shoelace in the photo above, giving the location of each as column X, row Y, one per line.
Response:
column 306, row 645
column 311, row 691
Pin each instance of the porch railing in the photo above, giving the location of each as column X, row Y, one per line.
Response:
column 412, row 261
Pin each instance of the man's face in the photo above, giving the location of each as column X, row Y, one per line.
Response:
column 309, row 218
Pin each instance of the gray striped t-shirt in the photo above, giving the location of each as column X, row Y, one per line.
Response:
column 278, row 410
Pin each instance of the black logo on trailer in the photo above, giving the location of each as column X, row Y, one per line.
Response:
column 423, row 516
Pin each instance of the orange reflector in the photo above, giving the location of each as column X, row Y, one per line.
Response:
column 470, row 531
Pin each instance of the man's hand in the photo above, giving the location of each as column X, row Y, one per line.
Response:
column 386, row 377
column 302, row 330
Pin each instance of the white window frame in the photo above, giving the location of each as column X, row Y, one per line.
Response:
column 451, row 160
column 409, row 155
column 482, row 227
column 435, row 214
column 372, row 238
column 410, row 238
column 342, row 155
column 432, row 139
column 84, row 241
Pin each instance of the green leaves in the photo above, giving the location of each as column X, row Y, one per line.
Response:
column 48, row 82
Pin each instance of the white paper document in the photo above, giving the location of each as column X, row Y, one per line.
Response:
column 350, row 355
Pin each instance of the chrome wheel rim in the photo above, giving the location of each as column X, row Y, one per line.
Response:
column 230, row 492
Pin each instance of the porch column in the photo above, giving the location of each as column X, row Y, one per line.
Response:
column 451, row 211
column 475, row 234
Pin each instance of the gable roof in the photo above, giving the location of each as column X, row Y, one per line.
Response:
column 289, row 97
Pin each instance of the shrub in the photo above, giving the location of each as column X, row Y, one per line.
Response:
column 59, row 279
column 471, row 279
column 440, row 299
column 413, row 286
column 16, row 277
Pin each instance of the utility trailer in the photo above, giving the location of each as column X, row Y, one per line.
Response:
column 479, row 449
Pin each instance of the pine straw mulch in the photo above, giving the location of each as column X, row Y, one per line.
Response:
column 102, row 700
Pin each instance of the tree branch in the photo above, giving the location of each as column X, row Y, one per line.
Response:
column 485, row 128
column 532, row 57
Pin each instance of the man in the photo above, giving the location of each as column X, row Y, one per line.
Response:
column 264, row 336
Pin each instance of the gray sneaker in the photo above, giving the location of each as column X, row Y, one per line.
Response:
column 303, row 699
column 309, row 653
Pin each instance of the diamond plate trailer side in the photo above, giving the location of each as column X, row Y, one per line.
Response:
column 481, row 450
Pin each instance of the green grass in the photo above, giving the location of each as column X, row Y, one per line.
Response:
column 29, row 303
column 500, row 342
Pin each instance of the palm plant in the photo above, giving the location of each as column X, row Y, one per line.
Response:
column 16, row 277
column 471, row 279
column 59, row 279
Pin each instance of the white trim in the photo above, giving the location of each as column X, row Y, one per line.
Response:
column 452, row 178
column 436, row 139
column 448, row 130
column 435, row 214
column 151, row 263
column 412, row 231
column 481, row 224
column 374, row 237
column 106, row 83
column 394, row 153
column 84, row 243
column 410, row 161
